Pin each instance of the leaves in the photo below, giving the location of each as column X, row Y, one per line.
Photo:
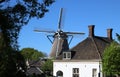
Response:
column 31, row 54
column 111, row 59
column 20, row 13
column 10, row 63
column 13, row 15
column 47, row 67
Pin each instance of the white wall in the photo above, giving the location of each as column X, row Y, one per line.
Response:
column 85, row 68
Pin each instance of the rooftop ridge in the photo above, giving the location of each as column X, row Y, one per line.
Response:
column 96, row 47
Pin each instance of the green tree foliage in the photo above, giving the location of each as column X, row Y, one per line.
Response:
column 13, row 15
column 16, row 13
column 32, row 54
column 111, row 59
column 12, row 62
column 47, row 67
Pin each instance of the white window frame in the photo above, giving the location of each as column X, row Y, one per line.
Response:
column 66, row 55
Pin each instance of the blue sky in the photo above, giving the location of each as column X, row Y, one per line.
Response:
column 78, row 15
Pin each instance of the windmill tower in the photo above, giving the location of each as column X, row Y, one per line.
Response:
column 60, row 42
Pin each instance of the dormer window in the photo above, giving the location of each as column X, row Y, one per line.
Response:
column 66, row 55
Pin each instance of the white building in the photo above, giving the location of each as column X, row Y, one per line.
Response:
column 83, row 60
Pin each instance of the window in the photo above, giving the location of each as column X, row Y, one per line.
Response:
column 59, row 74
column 66, row 55
column 94, row 72
column 69, row 55
column 75, row 72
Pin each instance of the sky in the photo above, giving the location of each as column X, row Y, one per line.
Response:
column 78, row 14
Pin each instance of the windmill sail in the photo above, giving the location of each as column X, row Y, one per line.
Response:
column 60, row 42
column 60, row 19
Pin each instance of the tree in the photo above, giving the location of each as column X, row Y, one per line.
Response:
column 31, row 54
column 47, row 67
column 13, row 15
column 111, row 60
column 11, row 62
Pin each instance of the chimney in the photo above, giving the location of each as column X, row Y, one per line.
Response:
column 91, row 30
column 109, row 33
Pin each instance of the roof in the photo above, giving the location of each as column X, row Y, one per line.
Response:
column 34, row 67
column 36, row 63
column 91, row 48
column 33, row 70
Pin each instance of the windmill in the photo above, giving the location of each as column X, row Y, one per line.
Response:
column 60, row 42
